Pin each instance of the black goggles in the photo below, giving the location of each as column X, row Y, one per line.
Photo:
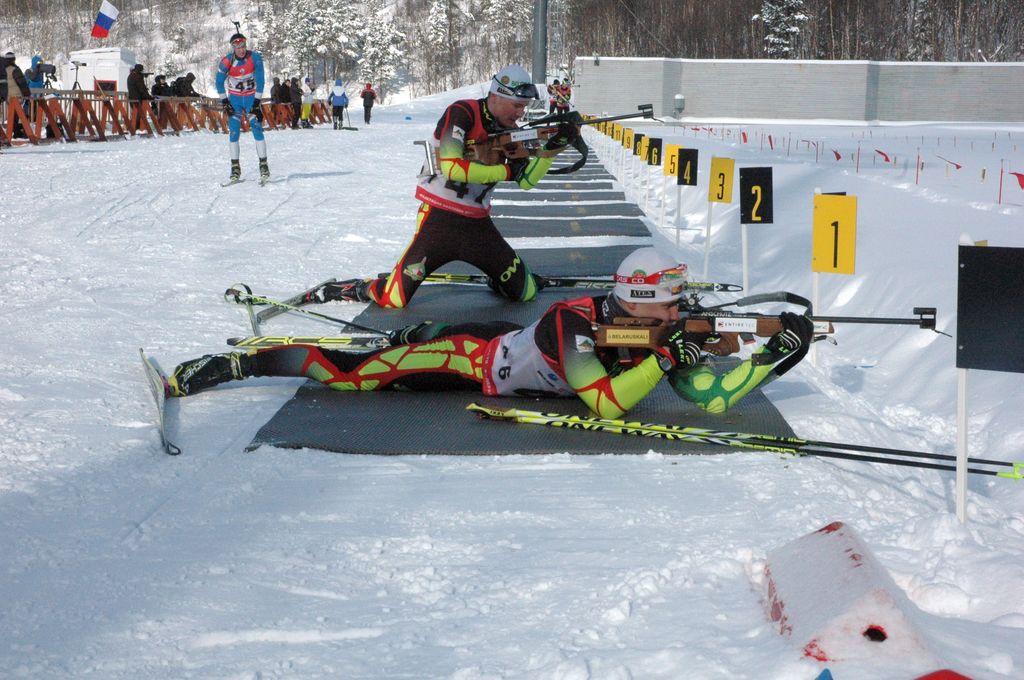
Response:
column 520, row 91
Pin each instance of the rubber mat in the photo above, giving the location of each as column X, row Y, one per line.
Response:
column 400, row 423
column 406, row 423
column 512, row 227
column 578, row 210
column 560, row 196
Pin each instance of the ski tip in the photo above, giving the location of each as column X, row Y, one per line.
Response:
column 485, row 412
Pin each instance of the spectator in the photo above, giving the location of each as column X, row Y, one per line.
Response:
column 307, row 102
column 14, row 84
column 368, row 96
column 11, row 73
column 275, row 94
column 137, row 93
column 183, row 86
column 338, row 100
column 161, row 88
column 33, row 76
column 296, row 95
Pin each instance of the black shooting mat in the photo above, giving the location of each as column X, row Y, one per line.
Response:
column 405, row 423
column 511, row 227
column 564, row 210
column 560, row 196
column 600, row 261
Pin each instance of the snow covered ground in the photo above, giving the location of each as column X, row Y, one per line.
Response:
column 121, row 562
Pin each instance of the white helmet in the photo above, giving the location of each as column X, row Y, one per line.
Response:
column 513, row 82
column 647, row 275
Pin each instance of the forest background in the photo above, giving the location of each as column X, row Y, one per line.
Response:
column 428, row 46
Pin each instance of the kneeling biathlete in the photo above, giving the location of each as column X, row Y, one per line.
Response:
column 555, row 356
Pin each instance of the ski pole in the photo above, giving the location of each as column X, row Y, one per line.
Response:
column 774, row 443
column 242, row 297
column 571, row 282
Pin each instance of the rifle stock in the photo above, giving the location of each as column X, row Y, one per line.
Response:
column 631, row 332
column 528, row 140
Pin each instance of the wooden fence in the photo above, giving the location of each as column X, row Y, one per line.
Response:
column 77, row 115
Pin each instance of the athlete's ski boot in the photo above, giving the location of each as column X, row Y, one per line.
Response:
column 208, row 371
column 424, row 331
column 350, row 290
column 236, row 172
column 264, row 171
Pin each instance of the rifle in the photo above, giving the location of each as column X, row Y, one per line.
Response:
column 528, row 141
column 728, row 328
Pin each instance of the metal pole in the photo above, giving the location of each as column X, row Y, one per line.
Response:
column 961, row 445
column 540, row 41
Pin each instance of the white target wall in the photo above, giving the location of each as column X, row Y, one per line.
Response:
column 793, row 89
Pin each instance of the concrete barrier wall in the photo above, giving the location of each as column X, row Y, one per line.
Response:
column 833, row 90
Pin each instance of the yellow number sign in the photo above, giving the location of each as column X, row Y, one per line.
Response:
column 834, row 234
column 617, row 132
column 720, row 180
column 627, row 138
column 671, row 158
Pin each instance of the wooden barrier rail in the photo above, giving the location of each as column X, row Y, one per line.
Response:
column 73, row 115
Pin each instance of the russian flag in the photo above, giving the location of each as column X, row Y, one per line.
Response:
column 104, row 20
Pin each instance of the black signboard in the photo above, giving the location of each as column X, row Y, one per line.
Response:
column 756, row 196
column 990, row 309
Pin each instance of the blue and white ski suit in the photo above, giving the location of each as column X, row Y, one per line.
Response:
column 242, row 79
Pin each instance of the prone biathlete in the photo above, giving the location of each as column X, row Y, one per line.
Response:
column 240, row 83
column 556, row 356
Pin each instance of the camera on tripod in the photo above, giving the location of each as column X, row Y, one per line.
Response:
column 46, row 69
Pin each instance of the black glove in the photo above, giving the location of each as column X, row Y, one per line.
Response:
column 566, row 134
column 228, row 108
column 681, row 349
column 792, row 342
column 257, row 110
column 517, row 168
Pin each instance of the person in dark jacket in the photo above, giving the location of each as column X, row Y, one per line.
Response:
column 10, row 73
column 284, row 93
column 13, row 83
column 295, row 91
column 368, row 96
column 275, row 92
column 183, row 86
column 137, row 92
column 161, row 88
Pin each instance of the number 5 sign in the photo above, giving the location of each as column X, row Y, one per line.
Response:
column 834, row 234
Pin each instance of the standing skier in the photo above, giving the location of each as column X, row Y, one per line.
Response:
column 338, row 100
column 241, row 73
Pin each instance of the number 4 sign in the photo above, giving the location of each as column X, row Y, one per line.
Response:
column 834, row 234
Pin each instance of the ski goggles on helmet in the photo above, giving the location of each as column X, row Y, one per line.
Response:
column 666, row 277
column 515, row 90
column 238, row 42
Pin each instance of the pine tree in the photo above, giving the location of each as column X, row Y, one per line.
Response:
column 383, row 47
column 782, row 22
column 922, row 32
column 510, row 25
